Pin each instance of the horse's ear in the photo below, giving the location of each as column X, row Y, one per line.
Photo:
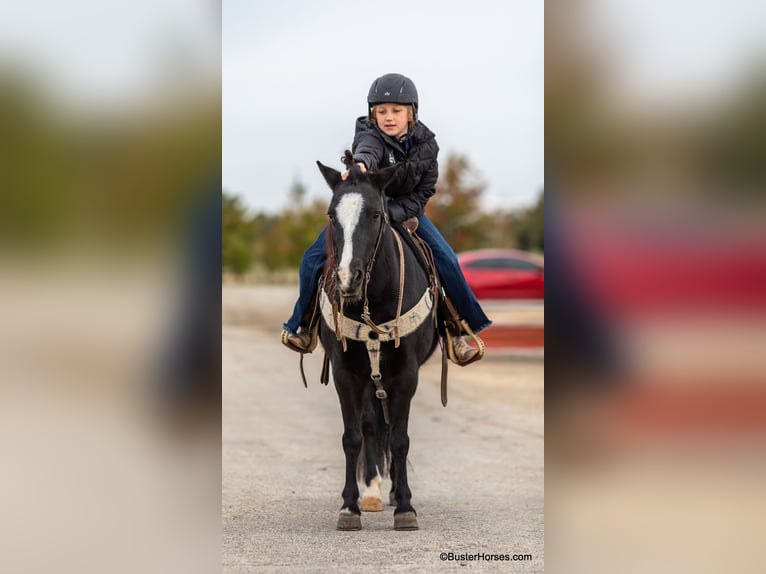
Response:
column 331, row 176
column 380, row 179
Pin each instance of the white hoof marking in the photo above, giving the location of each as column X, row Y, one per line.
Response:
column 373, row 491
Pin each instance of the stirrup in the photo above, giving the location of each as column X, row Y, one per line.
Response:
column 479, row 345
column 312, row 341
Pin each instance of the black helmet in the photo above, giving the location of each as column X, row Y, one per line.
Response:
column 393, row 88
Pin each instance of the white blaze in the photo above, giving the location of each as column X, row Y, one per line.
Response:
column 348, row 210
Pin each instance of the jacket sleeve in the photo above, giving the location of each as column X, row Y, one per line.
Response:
column 413, row 204
column 368, row 149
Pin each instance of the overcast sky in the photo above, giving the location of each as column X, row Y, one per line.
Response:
column 296, row 75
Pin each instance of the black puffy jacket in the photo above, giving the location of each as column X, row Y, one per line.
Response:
column 413, row 186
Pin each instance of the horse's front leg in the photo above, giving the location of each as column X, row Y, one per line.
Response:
column 405, row 517
column 392, row 492
column 350, row 404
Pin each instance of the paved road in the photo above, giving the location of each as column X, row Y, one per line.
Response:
column 476, row 467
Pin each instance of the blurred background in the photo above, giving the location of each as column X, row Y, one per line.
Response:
column 110, row 147
column 110, row 239
column 655, row 180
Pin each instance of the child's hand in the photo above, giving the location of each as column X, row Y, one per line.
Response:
column 363, row 169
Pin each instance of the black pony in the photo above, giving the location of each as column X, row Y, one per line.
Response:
column 377, row 329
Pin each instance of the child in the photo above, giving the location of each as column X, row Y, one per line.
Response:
column 392, row 133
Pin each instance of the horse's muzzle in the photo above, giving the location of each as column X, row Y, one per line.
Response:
column 354, row 295
column 350, row 283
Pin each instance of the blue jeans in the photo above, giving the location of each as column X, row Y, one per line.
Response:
column 446, row 262
column 308, row 276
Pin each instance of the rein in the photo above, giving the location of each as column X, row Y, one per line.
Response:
column 366, row 309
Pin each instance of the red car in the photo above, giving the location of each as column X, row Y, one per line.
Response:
column 503, row 274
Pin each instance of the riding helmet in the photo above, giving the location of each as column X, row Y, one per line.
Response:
column 393, row 88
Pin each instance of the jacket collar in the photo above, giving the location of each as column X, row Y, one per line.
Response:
column 419, row 132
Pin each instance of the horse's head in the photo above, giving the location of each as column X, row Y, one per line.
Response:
column 358, row 216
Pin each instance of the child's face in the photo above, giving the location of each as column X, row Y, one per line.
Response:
column 393, row 119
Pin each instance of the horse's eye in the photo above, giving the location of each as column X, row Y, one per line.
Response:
column 376, row 215
column 331, row 216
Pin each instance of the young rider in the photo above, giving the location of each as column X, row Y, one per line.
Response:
column 389, row 134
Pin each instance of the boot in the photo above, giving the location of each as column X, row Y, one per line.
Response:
column 304, row 341
column 463, row 353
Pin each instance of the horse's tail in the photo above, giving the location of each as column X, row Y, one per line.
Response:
column 381, row 436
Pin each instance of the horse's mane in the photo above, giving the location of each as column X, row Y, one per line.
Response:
column 347, row 158
column 328, row 281
column 354, row 170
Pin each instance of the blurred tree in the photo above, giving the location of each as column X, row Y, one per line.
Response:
column 529, row 227
column 297, row 193
column 499, row 229
column 283, row 243
column 455, row 208
column 237, row 236
column 106, row 181
column 731, row 145
column 238, row 256
column 263, row 225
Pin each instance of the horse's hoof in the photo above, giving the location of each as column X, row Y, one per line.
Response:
column 405, row 521
column 372, row 504
column 391, row 499
column 349, row 522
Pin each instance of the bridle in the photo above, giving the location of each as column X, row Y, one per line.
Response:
column 384, row 226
